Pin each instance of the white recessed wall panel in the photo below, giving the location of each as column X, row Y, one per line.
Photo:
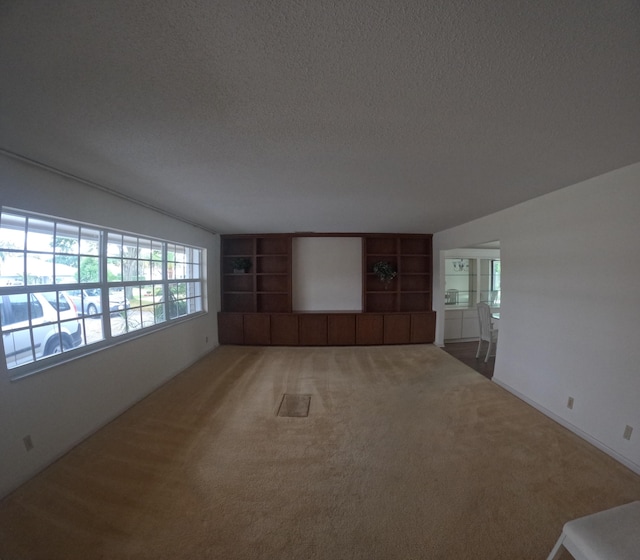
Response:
column 327, row 273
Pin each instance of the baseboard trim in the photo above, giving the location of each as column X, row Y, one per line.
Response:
column 577, row 431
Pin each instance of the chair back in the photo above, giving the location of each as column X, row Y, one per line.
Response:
column 484, row 317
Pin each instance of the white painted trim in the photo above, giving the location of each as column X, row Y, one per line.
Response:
column 577, row 431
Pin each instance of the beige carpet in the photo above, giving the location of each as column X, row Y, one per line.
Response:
column 406, row 454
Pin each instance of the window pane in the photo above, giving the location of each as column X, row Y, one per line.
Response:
column 36, row 308
column 495, row 275
column 11, row 269
column 144, row 270
column 117, row 300
column 93, row 330
column 67, row 239
column 18, row 310
column 66, row 269
column 47, row 341
column 159, row 313
column 114, row 270
column 39, row 271
column 39, row 235
column 89, row 241
column 129, row 269
column 71, row 334
column 129, row 246
column 18, row 348
column 145, row 252
column 91, row 302
column 114, row 245
column 156, row 270
column 134, row 319
column 156, row 250
column 118, row 324
column 12, row 231
column 51, row 305
column 89, row 269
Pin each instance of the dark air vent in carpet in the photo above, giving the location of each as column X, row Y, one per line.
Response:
column 294, row 405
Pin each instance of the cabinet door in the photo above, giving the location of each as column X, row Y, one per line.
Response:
column 423, row 327
column 257, row 329
column 470, row 324
column 342, row 329
column 397, row 329
column 230, row 328
column 453, row 324
column 313, row 329
column 369, row 329
column 284, row 330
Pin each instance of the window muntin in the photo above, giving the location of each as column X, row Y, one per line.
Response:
column 86, row 285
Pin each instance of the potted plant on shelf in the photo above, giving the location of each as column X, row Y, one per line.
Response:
column 385, row 272
column 241, row 264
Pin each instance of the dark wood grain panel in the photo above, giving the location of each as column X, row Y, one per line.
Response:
column 230, row 328
column 341, row 329
column 284, row 330
column 257, row 329
column 397, row 328
column 313, row 329
column 370, row 329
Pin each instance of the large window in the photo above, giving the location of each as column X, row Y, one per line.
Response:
column 72, row 288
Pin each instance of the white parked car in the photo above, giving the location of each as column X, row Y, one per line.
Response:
column 54, row 326
column 89, row 301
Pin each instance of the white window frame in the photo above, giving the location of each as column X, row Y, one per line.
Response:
column 169, row 286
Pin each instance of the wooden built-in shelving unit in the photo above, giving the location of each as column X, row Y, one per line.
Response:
column 266, row 286
column 257, row 304
column 410, row 290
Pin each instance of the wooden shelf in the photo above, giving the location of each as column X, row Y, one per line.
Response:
column 266, row 286
column 410, row 290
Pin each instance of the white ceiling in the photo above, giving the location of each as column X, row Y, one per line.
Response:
column 302, row 115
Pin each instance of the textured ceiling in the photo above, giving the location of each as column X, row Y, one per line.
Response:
column 302, row 115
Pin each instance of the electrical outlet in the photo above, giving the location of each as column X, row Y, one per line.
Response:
column 627, row 432
column 28, row 443
column 570, row 403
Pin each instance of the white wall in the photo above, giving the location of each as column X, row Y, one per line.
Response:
column 327, row 273
column 570, row 306
column 65, row 404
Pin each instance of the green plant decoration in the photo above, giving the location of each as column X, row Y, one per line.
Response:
column 385, row 272
column 241, row 263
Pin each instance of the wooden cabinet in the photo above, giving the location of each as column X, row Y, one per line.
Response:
column 326, row 329
column 410, row 256
column 257, row 303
